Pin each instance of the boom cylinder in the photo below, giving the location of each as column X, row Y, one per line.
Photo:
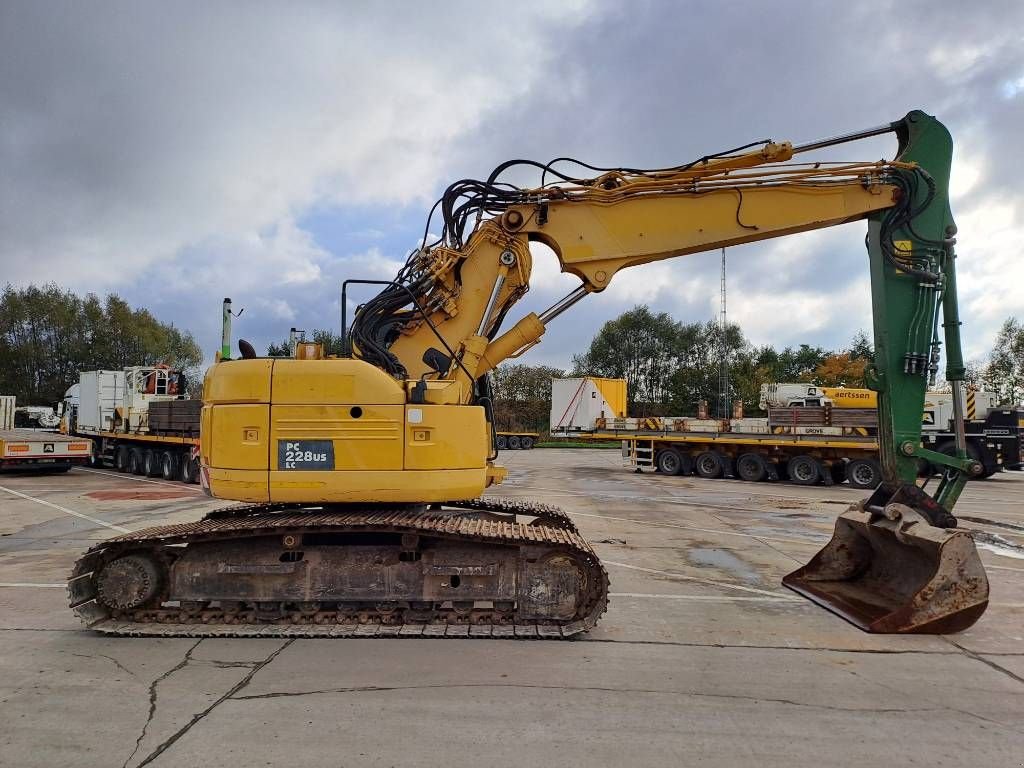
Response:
column 844, row 138
column 561, row 305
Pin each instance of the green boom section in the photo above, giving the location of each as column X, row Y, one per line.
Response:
column 912, row 260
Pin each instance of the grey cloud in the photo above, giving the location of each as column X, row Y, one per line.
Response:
column 146, row 143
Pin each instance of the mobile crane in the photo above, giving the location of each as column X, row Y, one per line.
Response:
column 355, row 472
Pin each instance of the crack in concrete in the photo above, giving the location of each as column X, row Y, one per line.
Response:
column 941, row 705
column 741, row 647
column 111, row 659
column 695, row 694
column 152, row 698
column 196, row 718
column 988, row 662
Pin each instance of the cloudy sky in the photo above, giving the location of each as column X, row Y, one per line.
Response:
column 177, row 153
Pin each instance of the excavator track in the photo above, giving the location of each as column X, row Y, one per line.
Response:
column 543, row 513
column 468, row 569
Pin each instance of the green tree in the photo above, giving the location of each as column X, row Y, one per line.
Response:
column 792, row 364
column 638, row 346
column 700, row 348
column 522, row 396
column 861, row 347
column 48, row 335
column 1004, row 373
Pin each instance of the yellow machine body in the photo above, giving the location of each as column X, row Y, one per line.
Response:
column 333, row 430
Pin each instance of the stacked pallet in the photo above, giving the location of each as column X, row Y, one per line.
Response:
column 825, row 420
column 175, row 417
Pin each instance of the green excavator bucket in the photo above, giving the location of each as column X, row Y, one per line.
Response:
column 888, row 570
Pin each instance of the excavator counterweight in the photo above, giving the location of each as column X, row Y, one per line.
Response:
column 362, row 476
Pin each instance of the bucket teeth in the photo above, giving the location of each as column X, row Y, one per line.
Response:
column 896, row 573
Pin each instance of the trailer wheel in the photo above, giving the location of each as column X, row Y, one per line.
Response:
column 865, row 474
column 513, row 443
column 168, row 466
column 710, row 464
column 803, row 470
column 671, row 462
column 751, row 467
column 121, row 458
column 135, row 461
column 189, row 470
column 151, row 463
column 501, row 442
column 526, row 443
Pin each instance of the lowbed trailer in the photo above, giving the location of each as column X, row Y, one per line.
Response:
column 171, row 457
column 139, row 419
column 804, row 460
column 805, row 444
column 34, row 449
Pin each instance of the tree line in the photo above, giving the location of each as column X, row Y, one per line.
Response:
column 48, row 335
column 670, row 366
column 1003, row 372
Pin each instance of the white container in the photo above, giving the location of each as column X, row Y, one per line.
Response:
column 100, row 393
column 577, row 404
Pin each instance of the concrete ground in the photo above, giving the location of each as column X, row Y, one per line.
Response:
column 702, row 657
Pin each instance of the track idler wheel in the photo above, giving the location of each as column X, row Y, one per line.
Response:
column 893, row 572
column 129, row 582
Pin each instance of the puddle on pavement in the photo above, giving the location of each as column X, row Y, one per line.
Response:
column 723, row 560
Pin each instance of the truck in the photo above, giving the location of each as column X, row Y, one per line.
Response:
column 35, row 449
column 788, row 395
column 140, row 419
column 35, row 417
column 993, row 430
column 806, row 444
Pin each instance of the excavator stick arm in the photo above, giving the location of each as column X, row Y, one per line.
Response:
column 896, row 562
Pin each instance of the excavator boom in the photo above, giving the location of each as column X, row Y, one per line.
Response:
column 315, row 447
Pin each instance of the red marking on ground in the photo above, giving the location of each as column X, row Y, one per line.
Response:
column 137, row 495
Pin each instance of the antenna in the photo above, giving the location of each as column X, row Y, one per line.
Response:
column 724, row 390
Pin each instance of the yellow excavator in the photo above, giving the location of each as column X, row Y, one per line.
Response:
column 361, row 476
